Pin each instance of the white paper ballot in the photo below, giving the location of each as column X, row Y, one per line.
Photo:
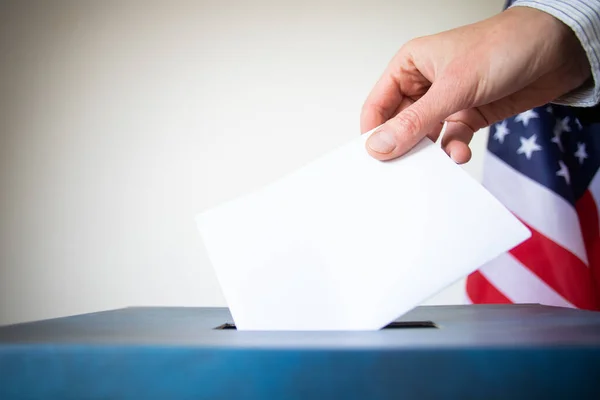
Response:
column 352, row 243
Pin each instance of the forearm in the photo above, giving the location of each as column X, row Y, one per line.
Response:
column 583, row 17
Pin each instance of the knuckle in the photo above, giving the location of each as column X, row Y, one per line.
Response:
column 414, row 43
column 410, row 122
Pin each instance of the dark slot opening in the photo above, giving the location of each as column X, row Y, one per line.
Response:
column 410, row 324
column 393, row 325
column 226, row 326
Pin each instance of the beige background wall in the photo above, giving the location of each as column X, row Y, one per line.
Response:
column 120, row 120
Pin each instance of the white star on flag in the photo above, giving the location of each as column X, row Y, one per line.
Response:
column 556, row 138
column 524, row 117
column 581, row 154
column 564, row 124
column 578, row 123
column 528, row 146
column 501, row 132
column 564, row 172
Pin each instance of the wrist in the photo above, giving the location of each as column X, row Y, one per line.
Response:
column 580, row 22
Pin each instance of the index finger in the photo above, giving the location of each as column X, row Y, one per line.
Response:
column 381, row 104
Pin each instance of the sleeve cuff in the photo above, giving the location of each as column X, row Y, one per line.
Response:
column 584, row 20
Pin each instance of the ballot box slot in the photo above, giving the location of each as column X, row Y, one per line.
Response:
column 410, row 324
column 226, row 326
column 393, row 325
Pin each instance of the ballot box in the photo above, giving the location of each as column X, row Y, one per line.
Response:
column 433, row 352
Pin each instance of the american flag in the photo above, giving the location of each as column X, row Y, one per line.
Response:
column 543, row 165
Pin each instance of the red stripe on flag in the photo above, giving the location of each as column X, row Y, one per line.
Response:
column 559, row 268
column 588, row 219
column 481, row 291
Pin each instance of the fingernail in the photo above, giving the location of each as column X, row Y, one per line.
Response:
column 453, row 157
column 382, row 142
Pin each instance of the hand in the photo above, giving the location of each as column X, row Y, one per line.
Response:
column 471, row 77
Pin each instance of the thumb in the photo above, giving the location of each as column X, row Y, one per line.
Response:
column 400, row 134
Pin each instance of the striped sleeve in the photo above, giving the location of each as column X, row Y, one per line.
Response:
column 583, row 17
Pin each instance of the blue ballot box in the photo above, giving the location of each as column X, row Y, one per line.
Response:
column 433, row 352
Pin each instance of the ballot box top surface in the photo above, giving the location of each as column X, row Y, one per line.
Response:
column 424, row 327
column 433, row 352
